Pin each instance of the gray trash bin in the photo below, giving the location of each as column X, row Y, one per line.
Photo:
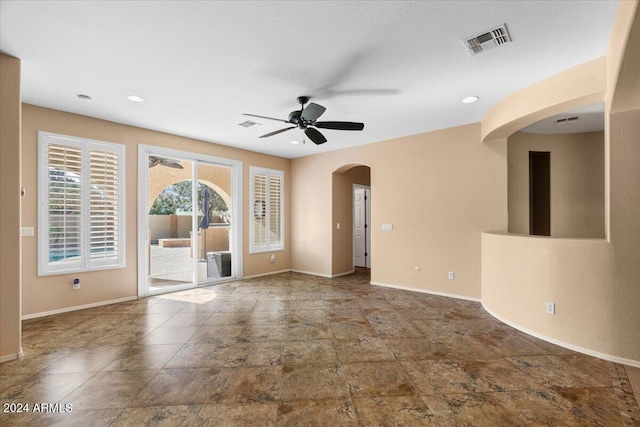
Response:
column 218, row 264
column 212, row 269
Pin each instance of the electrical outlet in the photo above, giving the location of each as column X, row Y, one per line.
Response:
column 416, row 268
column 338, row 226
column 273, row 258
column 76, row 284
column 450, row 275
column 551, row 308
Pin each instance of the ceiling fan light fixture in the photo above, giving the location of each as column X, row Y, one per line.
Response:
column 470, row 99
column 134, row 98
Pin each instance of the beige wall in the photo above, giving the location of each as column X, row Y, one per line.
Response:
column 10, row 206
column 342, row 211
column 596, row 283
column 438, row 189
column 577, row 182
column 43, row 294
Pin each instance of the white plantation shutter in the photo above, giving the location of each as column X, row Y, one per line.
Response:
column 81, row 204
column 104, row 218
column 267, row 210
column 259, row 206
column 275, row 210
column 64, row 174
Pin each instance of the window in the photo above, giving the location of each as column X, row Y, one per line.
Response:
column 267, row 210
column 80, row 204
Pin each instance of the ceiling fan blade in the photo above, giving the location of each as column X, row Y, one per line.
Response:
column 340, row 125
column 265, row 117
column 170, row 164
column 315, row 136
column 155, row 161
column 312, row 111
column 276, row 132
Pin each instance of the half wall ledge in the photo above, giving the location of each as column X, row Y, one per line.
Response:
column 521, row 274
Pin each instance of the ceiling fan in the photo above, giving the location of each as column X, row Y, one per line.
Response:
column 306, row 119
column 155, row 161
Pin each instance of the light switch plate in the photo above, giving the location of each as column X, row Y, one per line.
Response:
column 27, row 231
column 387, row 227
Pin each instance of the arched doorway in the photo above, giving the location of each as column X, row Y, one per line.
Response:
column 351, row 216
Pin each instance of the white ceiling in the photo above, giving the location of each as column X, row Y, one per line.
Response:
column 398, row 66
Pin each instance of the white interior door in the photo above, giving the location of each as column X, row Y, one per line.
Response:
column 361, row 231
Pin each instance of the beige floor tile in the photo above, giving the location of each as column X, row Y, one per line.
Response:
column 310, row 352
column 238, row 415
column 255, row 353
column 372, row 379
column 86, row 360
column 293, row 349
column 366, row 349
column 74, row 418
column 634, row 378
column 352, row 330
column 565, row 371
column 170, row 335
column 171, row 387
column 313, row 331
column 169, row 416
column 246, row 384
column 34, row 361
column 143, row 357
column 308, row 316
column 45, row 387
column 113, row 389
column 200, row 355
column 327, row 413
column 405, row 411
column 306, row 382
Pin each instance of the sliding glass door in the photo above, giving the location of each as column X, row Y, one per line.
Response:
column 189, row 207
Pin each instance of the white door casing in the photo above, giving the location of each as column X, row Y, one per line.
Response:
column 361, row 229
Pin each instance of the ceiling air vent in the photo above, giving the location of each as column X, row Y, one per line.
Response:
column 567, row 120
column 247, row 124
column 487, row 40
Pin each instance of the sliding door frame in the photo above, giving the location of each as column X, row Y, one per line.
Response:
column 144, row 151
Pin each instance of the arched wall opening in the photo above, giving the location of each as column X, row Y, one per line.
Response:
column 342, row 213
column 171, row 224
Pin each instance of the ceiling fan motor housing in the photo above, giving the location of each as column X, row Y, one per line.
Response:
column 296, row 119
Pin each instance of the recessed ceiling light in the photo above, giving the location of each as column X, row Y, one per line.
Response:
column 470, row 99
column 134, row 98
column 295, row 142
column 85, row 98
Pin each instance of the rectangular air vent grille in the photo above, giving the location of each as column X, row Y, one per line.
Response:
column 247, row 124
column 566, row 120
column 487, row 40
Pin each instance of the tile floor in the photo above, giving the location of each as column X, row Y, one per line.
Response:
column 296, row 350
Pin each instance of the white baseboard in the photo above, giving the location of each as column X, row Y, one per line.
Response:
column 588, row 352
column 12, row 356
column 75, row 308
column 253, row 276
column 346, row 273
column 425, row 291
column 311, row 273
